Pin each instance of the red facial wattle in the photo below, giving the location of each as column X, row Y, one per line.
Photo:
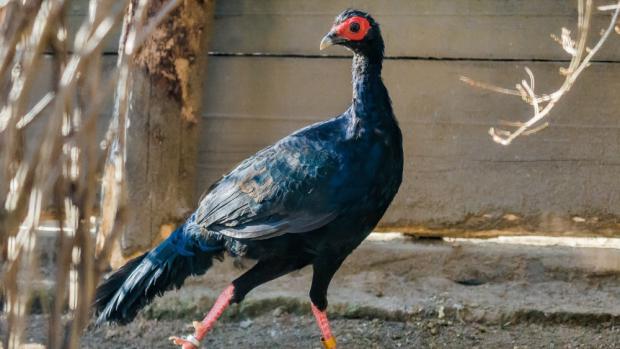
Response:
column 353, row 29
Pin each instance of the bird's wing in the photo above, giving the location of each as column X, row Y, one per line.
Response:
column 286, row 188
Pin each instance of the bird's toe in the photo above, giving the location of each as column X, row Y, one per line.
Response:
column 188, row 342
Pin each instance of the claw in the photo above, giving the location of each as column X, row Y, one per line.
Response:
column 329, row 343
column 189, row 342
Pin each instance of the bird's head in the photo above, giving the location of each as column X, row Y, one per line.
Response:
column 355, row 30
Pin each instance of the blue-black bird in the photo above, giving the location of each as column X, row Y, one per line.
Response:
column 309, row 199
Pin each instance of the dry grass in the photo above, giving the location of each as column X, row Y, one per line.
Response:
column 60, row 172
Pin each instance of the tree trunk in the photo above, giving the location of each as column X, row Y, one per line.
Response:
column 167, row 75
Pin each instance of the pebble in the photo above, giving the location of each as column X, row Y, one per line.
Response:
column 278, row 312
column 441, row 312
column 246, row 323
column 511, row 217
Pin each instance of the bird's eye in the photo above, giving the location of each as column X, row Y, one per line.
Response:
column 353, row 29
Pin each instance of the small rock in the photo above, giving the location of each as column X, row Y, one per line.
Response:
column 246, row 323
column 510, row 217
column 441, row 312
column 434, row 331
column 577, row 219
column 278, row 311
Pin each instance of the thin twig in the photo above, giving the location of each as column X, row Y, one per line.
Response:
column 543, row 104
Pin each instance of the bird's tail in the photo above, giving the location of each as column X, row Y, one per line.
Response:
column 124, row 293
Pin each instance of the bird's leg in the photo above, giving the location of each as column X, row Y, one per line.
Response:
column 327, row 338
column 260, row 273
column 324, row 270
column 201, row 328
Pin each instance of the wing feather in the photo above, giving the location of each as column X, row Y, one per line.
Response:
column 282, row 189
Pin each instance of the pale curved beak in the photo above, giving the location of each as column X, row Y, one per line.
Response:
column 326, row 42
column 330, row 39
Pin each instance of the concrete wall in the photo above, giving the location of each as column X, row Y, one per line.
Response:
column 267, row 78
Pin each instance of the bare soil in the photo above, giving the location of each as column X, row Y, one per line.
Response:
column 285, row 330
column 404, row 294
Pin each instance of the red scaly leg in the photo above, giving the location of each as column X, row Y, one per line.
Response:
column 328, row 340
column 201, row 328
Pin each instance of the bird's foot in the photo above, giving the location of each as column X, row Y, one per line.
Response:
column 188, row 342
column 201, row 328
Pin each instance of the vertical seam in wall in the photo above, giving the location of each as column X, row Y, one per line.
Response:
column 148, row 161
column 180, row 164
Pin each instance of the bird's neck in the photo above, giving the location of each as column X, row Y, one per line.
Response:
column 366, row 73
column 370, row 97
column 367, row 64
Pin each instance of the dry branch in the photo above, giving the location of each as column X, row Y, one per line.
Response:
column 581, row 56
column 61, row 170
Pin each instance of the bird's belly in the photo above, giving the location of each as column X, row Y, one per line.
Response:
column 365, row 210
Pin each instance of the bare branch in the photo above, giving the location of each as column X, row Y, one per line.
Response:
column 62, row 171
column 543, row 104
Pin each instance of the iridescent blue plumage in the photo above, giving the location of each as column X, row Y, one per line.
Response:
column 311, row 198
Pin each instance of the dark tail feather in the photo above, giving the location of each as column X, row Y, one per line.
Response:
column 133, row 286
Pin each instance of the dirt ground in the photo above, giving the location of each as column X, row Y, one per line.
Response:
column 404, row 294
column 285, row 330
